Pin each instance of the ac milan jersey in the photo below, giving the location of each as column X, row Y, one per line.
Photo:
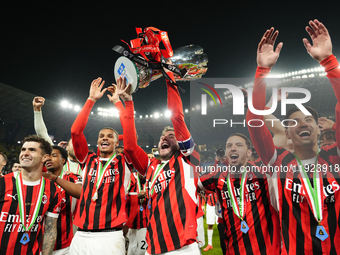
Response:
column 108, row 210
column 298, row 224
column 173, row 202
column 140, row 220
column 11, row 230
column 297, row 220
column 260, row 216
column 172, row 198
column 211, row 199
column 65, row 219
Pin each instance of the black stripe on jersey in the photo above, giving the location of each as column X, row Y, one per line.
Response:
column 118, row 200
column 179, row 194
column 170, row 219
column 297, row 215
column 256, row 215
column 285, row 216
column 331, row 215
column 84, row 207
column 231, row 220
column 160, row 235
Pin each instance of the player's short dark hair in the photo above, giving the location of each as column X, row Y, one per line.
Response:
column 45, row 146
column 328, row 135
column 4, row 155
column 62, row 151
column 296, row 109
column 246, row 139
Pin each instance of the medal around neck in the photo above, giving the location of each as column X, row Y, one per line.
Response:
column 24, row 239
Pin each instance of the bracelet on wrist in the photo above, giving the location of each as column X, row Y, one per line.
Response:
column 55, row 179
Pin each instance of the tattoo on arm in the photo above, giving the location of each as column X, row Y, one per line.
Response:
column 50, row 235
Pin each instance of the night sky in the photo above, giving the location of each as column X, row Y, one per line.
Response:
column 57, row 48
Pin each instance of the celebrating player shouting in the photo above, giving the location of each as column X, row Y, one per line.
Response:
column 101, row 212
column 307, row 198
column 171, row 187
column 251, row 222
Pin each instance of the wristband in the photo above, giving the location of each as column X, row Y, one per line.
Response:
column 55, row 179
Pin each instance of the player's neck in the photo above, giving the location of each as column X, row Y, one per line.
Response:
column 106, row 154
column 306, row 152
column 31, row 176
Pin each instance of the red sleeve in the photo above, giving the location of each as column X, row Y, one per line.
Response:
column 78, row 139
column 260, row 136
column 332, row 69
column 136, row 154
column 182, row 133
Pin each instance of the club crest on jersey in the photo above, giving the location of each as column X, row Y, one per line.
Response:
column 44, row 199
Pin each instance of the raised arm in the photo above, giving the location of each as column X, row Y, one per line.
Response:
column 274, row 124
column 77, row 129
column 135, row 154
column 39, row 124
column 266, row 58
column 321, row 51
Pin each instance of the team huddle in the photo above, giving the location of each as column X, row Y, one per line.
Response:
column 109, row 194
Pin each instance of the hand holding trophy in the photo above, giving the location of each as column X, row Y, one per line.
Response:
column 145, row 61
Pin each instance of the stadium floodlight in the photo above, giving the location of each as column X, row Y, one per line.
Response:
column 140, row 116
column 186, row 110
column 64, row 103
column 156, row 115
column 146, row 116
column 168, row 113
column 77, row 108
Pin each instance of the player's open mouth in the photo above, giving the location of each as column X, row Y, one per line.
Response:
column 105, row 145
column 234, row 157
column 304, row 133
column 165, row 145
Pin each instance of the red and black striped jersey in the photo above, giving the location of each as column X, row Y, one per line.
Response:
column 211, row 199
column 173, row 203
column 140, row 221
column 298, row 224
column 108, row 211
column 11, row 230
column 175, row 192
column 65, row 219
column 262, row 219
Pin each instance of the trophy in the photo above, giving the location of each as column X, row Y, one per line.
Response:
column 188, row 62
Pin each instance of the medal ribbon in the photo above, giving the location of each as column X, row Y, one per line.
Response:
column 101, row 170
column 22, row 205
column 69, row 168
column 314, row 195
column 238, row 208
column 153, row 181
column 139, row 186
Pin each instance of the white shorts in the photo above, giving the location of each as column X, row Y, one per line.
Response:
column 200, row 232
column 137, row 241
column 64, row 251
column 191, row 249
column 211, row 215
column 100, row 243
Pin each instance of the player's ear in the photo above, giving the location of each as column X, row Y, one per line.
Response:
column 249, row 153
column 287, row 134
